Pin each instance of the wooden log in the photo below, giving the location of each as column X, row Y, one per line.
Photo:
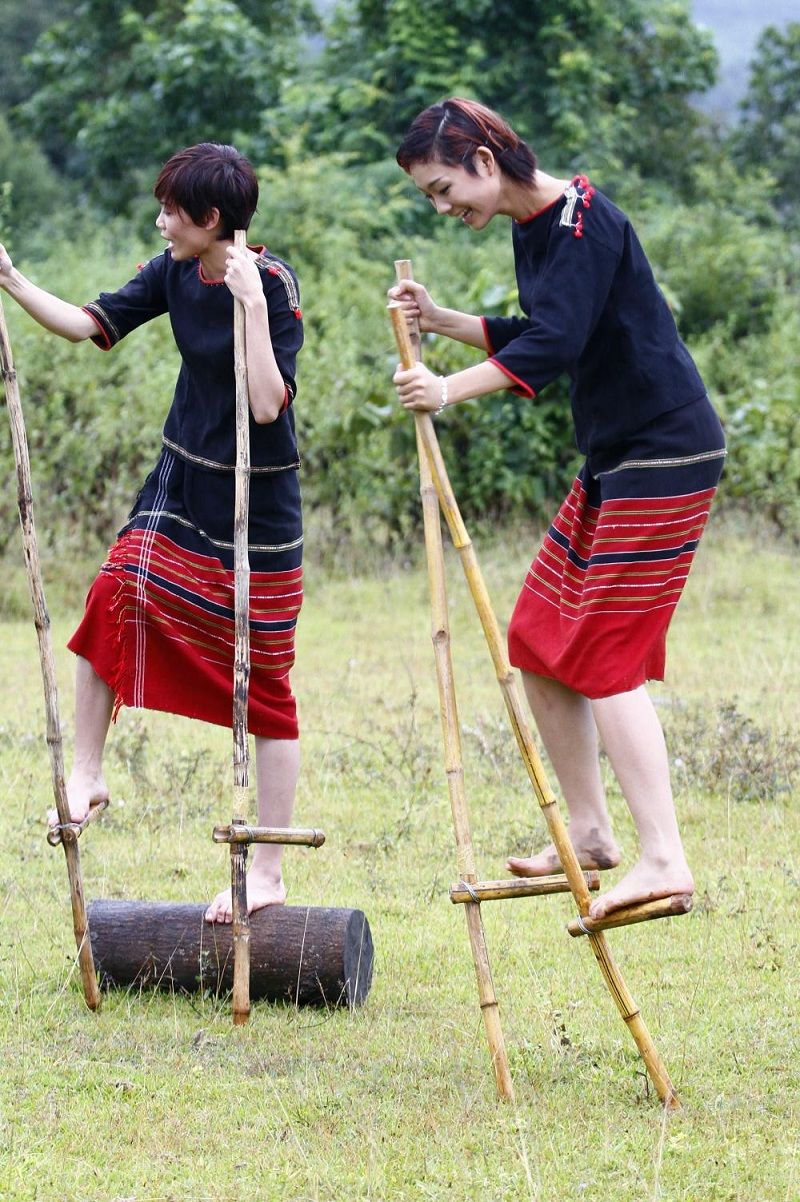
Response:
column 663, row 907
column 305, row 955
column 30, row 546
column 535, row 886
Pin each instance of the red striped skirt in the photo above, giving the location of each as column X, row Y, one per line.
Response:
column 596, row 604
column 159, row 621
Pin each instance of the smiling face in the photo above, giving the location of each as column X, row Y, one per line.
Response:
column 456, row 192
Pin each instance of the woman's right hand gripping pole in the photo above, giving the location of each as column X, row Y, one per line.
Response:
column 417, row 304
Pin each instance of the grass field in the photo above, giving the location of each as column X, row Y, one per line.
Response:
column 157, row 1097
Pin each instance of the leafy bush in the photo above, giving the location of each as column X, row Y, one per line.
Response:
column 756, row 384
column 94, row 420
column 28, row 184
column 718, row 264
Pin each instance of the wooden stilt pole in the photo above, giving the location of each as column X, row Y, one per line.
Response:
column 241, row 667
column 558, row 831
column 426, row 435
column 451, row 733
column 69, row 831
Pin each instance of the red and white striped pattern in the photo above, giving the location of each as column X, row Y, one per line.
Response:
column 597, row 601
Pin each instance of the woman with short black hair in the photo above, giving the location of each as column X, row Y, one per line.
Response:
column 158, row 629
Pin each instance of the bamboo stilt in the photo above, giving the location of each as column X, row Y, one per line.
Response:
column 664, row 907
column 241, row 666
column 535, row 886
column 555, row 823
column 55, row 836
column 426, row 436
column 297, row 836
column 440, row 634
column 69, row 831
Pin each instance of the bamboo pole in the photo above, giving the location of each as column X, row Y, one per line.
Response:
column 664, row 907
column 299, row 836
column 440, row 634
column 534, row 886
column 555, row 823
column 241, row 666
column 558, row 831
column 70, row 831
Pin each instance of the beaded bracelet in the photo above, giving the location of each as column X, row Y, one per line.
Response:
column 443, row 402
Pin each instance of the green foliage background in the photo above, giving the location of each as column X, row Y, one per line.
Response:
column 108, row 90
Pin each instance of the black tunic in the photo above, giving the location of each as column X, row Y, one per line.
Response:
column 593, row 310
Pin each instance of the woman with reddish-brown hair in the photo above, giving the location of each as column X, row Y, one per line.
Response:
column 158, row 628
column 590, row 624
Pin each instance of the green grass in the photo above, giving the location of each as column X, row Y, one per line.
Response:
column 158, row 1097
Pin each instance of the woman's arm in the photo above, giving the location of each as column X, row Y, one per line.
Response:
column 58, row 316
column 265, row 384
column 418, row 388
column 418, row 306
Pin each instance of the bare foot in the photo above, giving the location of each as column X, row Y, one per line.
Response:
column 262, row 890
column 82, row 794
column 593, row 853
column 646, row 881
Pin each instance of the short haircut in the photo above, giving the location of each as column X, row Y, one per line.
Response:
column 210, row 176
column 450, row 132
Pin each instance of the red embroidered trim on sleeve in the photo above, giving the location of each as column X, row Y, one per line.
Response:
column 106, row 344
column 519, row 385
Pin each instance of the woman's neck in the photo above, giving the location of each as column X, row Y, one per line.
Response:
column 214, row 260
column 522, row 200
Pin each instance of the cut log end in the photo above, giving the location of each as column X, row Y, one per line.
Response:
column 305, row 955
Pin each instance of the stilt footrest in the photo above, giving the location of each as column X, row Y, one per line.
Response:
column 534, row 886
column 664, row 907
column 234, row 833
column 54, row 835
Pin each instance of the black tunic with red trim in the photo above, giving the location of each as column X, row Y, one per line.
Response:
column 597, row 601
column 159, row 620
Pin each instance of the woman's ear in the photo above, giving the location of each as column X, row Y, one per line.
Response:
column 212, row 219
column 485, row 161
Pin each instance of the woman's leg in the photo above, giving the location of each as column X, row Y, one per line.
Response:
column 634, row 742
column 567, row 727
column 94, row 703
column 277, row 769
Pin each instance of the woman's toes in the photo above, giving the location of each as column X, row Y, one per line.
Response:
column 541, row 865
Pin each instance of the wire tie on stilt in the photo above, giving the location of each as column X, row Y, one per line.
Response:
column 583, row 925
column 470, row 889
